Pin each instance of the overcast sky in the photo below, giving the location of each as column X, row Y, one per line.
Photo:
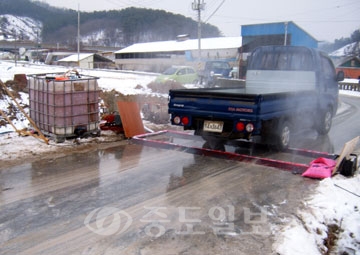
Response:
column 326, row 20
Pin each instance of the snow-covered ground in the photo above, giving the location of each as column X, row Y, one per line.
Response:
column 334, row 204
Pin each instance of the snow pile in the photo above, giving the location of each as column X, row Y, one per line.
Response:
column 329, row 222
column 18, row 118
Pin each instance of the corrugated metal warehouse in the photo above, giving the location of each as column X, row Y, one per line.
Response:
column 281, row 33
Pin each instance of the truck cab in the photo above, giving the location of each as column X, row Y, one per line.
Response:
column 294, row 69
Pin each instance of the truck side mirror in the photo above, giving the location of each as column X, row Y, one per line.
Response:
column 340, row 76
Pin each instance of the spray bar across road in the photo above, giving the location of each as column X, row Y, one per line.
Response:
column 185, row 142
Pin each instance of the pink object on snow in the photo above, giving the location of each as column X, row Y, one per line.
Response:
column 320, row 168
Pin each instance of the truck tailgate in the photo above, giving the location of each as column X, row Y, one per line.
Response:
column 242, row 102
column 214, row 101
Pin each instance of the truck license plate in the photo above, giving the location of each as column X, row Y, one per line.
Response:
column 213, row 126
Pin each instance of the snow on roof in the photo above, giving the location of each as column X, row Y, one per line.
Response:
column 75, row 57
column 168, row 46
column 347, row 50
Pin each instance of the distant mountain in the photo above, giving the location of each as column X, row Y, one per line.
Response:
column 108, row 28
column 19, row 28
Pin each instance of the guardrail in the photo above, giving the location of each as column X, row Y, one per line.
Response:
column 349, row 86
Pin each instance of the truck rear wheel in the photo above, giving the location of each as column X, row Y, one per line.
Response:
column 324, row 122
column 283, row 135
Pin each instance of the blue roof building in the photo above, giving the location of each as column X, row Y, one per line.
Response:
column 281, row 33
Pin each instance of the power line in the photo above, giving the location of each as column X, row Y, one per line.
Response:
column 212, row 14
column 343, row 10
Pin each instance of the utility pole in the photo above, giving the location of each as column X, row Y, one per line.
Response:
column 16, row 49
column 199, row 5
column 37, row 45
column 78, row 36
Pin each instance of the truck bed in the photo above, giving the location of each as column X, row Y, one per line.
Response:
column 262, row 82
column 254, row 103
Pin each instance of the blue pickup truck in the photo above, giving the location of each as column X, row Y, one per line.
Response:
column 287, row 88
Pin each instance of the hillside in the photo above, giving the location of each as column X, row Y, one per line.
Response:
column 23, row 28
column 111, row 28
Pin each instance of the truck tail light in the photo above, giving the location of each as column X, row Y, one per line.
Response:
column 185, row 121
column 249, row 127
column 240, row 126
column 181, row 120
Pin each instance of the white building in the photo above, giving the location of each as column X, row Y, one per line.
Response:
column 86, row 60
column 157, row 56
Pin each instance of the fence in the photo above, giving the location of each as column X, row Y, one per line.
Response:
column 349, row 86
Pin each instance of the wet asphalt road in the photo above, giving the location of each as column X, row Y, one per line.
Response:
column 135, row 199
